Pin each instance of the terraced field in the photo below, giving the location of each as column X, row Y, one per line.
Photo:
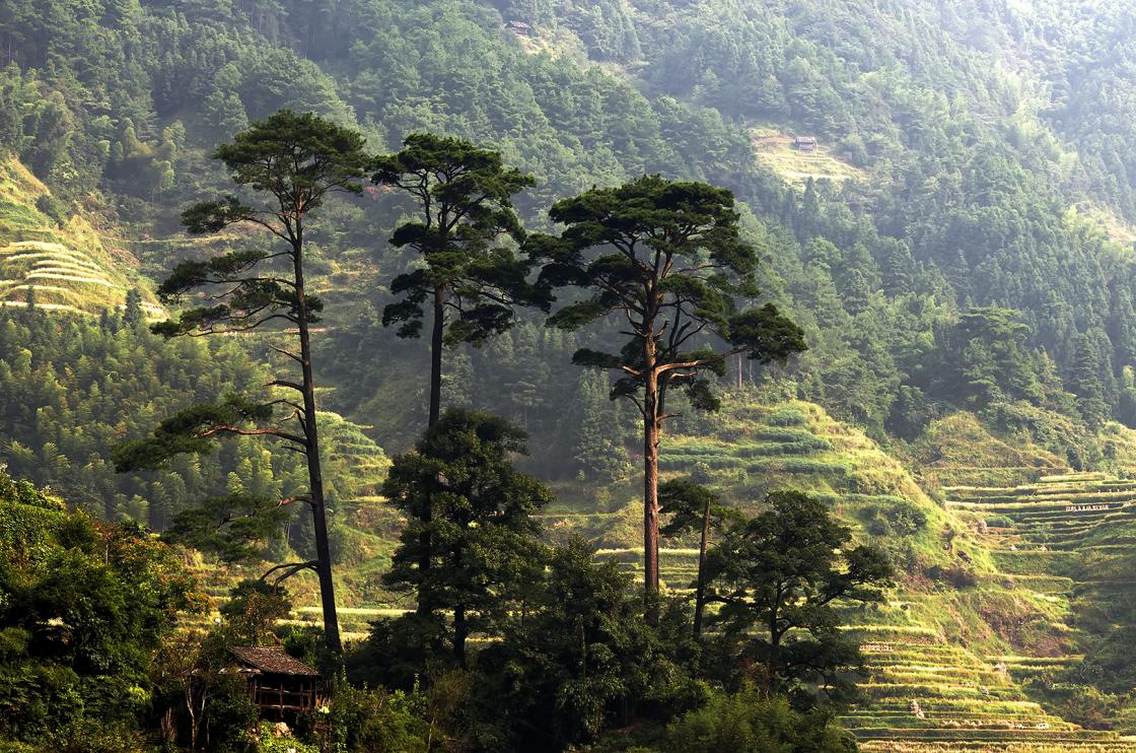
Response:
column 775, row 150
column 928, row 695
column 60, row 261
column 939, row 677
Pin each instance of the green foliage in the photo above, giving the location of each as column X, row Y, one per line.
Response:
column 748, row 722
column 899, row 519
column 598, row 449
column 470, row 544
column 777, row 579
column 974, row 140
column 463, row 195
column 582, row 659
column 74, row 386
column 679, row 240
column 374, row 721
column 253, row 610
column 82, row 608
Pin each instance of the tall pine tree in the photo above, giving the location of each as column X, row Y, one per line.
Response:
column 664, row 258
column 294, row 162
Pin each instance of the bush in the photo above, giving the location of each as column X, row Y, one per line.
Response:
column 36, row 700
column 895, row 520
column 231, row 718
column 52, row 207
column 747, row 722
column 374, row 721
column 956, row 575
column 269, row 743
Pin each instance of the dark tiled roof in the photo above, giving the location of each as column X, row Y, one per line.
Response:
column 271, row 659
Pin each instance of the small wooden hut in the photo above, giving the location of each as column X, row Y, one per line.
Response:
column 279, row 684
column 805, row 143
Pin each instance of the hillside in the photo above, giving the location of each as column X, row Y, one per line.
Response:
column 943, row 182
column 994, row 589
column 55, row 257
column 942, row 195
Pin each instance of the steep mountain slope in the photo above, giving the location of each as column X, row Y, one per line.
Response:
column 943, row 178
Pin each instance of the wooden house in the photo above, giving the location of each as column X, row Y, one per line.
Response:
column 280, row 685
column 520, row 28
column 805, row 143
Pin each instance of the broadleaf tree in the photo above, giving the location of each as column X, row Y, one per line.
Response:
column 292, row 163
column 777, row 579
column 665, row 261
column 470, row 279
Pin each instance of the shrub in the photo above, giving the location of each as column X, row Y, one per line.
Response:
column 786, row 417
column 956, row 575
column 52, row 207
column 269, row 743
column 747, row 722
column 375, row 721
column 899, row 519
column 230, row 717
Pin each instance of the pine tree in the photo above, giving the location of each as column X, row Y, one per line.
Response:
column 469, row 515
column 132, row 314
column 297, row 161
column 667, row 259
column 470, row 282
column 1085, row 382
column 598, row 450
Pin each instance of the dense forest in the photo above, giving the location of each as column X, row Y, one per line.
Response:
column 918, row 216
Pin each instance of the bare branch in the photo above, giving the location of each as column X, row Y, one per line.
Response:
column 285, row 383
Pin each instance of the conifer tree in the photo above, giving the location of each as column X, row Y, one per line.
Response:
column 132, row 313
column 664, row 258
column 1086, row 382
column 463, row 197
column 598, row 450
column 294, row 162
column 469, row 515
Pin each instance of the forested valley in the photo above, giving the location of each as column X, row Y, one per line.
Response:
column 637, row 375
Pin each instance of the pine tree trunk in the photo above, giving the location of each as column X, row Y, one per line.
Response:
column 436, row 345
column 700, row 590
column 315, row 472
column 650, row 477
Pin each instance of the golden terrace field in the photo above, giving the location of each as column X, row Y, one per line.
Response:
column 59, row 260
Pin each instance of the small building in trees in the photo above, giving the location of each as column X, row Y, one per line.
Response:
column 805, row 143
column 520, row 28
column 280, row 685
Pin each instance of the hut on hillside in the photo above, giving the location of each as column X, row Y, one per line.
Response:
column 520, row 28
column 805, row 143
column 280, row 685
